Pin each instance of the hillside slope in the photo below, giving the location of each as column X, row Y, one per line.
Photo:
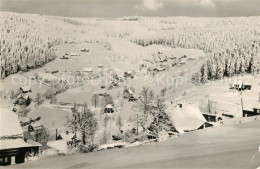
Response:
column 233, row 146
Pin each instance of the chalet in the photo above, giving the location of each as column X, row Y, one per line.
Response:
column 212, row 117
column 23, row 100
column 87, row 70
column 132, row 98
column 128, row 74
column 239, row 85
column 158, row 69
column 73, row 54
column 127, row 93
column 13, row 147
column 109, row 108
column 69, row 137
column 64, row 57
column 100, row 66
column 255, row 112
column 84, row 50
column 34, row 127
column 188, row 118
column 25, row 89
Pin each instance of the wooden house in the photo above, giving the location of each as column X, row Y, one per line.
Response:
column 13, row 148
column 73, row 54
column 188, row 118
column 132, row 98
column 23, row 100
column 25, row 89
column 212, row 117
column 109, row 108
column 254, row 112
column 127, row 93
column 128, row 74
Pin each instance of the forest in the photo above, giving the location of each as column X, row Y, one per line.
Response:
column 231, row 44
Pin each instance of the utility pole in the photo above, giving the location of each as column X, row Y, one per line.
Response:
column 242, row 103
column 137, row 124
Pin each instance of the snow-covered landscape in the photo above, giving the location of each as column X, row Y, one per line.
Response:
column 129, row 92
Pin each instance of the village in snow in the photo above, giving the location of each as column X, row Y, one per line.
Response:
column 130, row 92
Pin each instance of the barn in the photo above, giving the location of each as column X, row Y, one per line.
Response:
column 13, row 148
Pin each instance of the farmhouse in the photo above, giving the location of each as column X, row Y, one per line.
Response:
column 87, row 70
column 13, row 147
column 132, row 98
column 212, row 117
column 23, row 100
column 188, row 118
column 239, row 85
column 100, row 66
column 73, row 54
column 255, row 112
column 109, row 108
column 25, row 89
column 128, row 74
column 84, row 50
column 127, row 93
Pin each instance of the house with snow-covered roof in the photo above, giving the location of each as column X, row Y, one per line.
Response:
column 109, row 108
column 186, row 118
column 12, row 145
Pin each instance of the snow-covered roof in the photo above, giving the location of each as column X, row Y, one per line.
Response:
column 47, row 76
column 36, row 125
column 186, row 118
column 60, row 145
column 73, row 54
column 87, row 70
column 25, row 96
column 11, row 133
column 256, row 106
column 237, row 82
column 25, row 88
column 110, row 106
column 31, row 142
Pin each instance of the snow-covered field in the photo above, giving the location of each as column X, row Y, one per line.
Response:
column 235, row 146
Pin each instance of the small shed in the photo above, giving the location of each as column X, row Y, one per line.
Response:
column 109, row 108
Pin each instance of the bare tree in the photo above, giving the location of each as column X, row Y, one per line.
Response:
column 145, row 101
column 207, row 105
column 95, row 100
column 83, row 121
column 38, row 99
column 106, row 118
column 119, row 122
